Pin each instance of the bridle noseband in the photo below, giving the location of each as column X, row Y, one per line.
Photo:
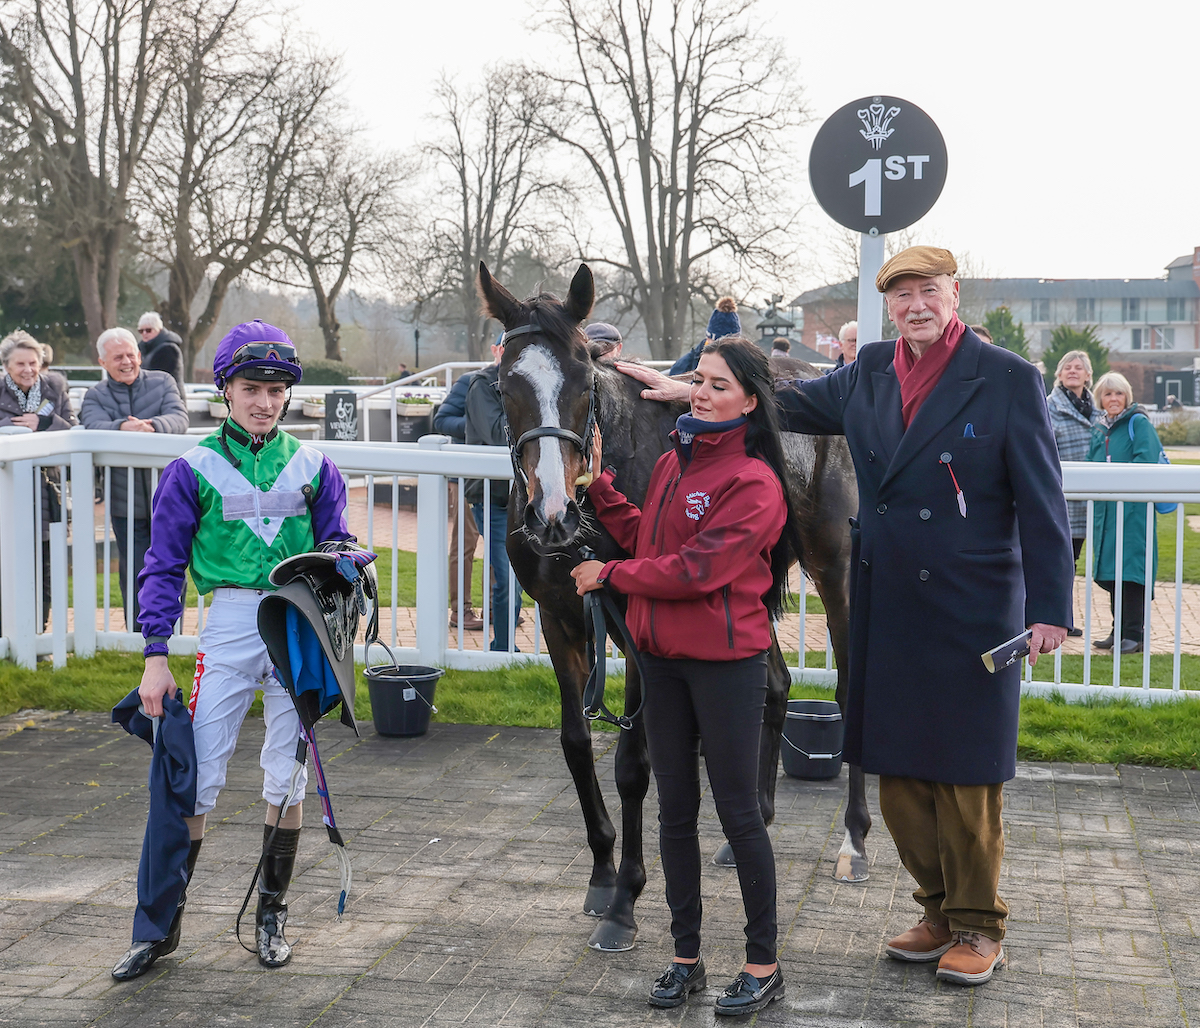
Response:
column 582, row 443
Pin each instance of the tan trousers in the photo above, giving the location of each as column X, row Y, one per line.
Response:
column 470, row 541
column 951, row 840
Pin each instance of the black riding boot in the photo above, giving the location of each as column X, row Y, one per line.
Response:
column 141, row 955
column 278, row 861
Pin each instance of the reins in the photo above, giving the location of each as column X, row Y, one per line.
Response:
column 596, row 604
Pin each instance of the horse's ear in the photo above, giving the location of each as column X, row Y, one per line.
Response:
column 581, row 294
column 497, row 301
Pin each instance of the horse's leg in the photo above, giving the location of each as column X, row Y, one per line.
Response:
column 567, row 656
column 852, row 857
column 618, row 929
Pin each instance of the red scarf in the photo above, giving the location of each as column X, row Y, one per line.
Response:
column 918, row 377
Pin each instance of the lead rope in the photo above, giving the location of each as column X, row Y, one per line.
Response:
column 596, row 604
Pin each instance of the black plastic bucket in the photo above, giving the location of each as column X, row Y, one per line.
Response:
column 812, row 739
column 402, row 697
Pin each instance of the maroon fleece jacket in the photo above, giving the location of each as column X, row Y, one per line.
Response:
column 702, row 550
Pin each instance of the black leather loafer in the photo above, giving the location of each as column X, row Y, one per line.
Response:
column 746, row 994
column 673, row 987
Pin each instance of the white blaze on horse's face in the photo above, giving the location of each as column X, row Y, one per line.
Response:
column 538, row 366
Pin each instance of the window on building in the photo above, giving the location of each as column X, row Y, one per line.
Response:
column 1177, row 308
column 1085, row 308
column 1135, row 339
column 1131, row 309
column 1041, row 310
column 1166, row 338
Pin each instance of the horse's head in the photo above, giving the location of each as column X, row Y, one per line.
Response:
column 548, row 382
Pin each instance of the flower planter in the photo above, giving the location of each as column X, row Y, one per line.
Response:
column 312, row 409
column 414, row 410
column 217, row 409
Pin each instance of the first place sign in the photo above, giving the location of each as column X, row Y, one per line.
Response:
column 878, row 164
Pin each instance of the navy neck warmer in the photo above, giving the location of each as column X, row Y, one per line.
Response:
column 689, row 427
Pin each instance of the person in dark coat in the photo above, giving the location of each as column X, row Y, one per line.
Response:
column 40, row 402
column 451, row 419
column 485, row 427
column 962, row 540
column 131, row 399
column 723, row 321
column 161, row 350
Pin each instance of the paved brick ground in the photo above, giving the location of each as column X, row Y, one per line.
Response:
column 470, row 869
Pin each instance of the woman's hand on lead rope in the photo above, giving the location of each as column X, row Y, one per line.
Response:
column 157, row 681
column 587, row 576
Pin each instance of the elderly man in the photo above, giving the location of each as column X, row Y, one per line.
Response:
column 131, row 399
column 848, row 341
column 961, row 541
column 161, row 350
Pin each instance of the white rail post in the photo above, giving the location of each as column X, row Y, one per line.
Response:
column 19, row 550
column 58, row 591
column 433, row 556
column 83, row 552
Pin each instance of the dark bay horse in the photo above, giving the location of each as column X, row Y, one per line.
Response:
column 555, row 393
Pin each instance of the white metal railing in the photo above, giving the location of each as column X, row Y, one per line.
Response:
column 85, row 613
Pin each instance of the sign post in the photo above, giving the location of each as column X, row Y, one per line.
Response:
column 877, row 165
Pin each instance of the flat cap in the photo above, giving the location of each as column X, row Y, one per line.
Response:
column 925, row 261
column 602, row 331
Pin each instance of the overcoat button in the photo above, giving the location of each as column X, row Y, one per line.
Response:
column 865, row 563
column 882, row 508
column 870, row 455
column 924, row 575
column 947, row 457
column 925, row 514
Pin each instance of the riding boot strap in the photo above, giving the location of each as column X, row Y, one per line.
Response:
column 278, row 860
column 141, row 955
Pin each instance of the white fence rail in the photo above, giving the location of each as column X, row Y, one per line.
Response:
column 75, row 556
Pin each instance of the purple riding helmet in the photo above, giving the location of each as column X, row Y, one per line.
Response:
column 257, row 351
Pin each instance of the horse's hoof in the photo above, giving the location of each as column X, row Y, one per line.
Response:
column 724, row 856
column 611, row 937
column 598, row 900
column 851, row 868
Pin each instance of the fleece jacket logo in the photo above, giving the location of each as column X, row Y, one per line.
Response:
column 697, row 505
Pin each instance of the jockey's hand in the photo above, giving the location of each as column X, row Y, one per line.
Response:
column 587, row 576
column 157, row 681
column 661, row 387
column 1045, row 639
column 597, row 453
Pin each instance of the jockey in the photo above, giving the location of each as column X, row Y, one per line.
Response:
column 242, row 500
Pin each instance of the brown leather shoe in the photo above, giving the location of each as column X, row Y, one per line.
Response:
column 922, row 944
column 971, row 960
column 472, row 622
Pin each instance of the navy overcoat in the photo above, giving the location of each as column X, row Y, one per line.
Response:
column 931, row 589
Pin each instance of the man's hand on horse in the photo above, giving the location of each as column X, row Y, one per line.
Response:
column 661, row 387
column 587, row 576
column 157, row 680
column 1044, row 639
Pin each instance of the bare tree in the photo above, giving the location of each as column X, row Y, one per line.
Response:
column 493, row 187
column 681, row 115
column 86, row 85
column 226, row 160
column 337, row 218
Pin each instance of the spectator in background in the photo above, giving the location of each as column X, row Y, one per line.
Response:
column 1123, row 435
column 485, row 427
column 131, row 399
column 450, row 419
column 781, row 346
column 403, row 372
column 848, row 339
column 47, row 360
column 1073, row 412
column 161, row 350
column 722, row 322
column 983, row 333
column 40, row 403
column 603, row 340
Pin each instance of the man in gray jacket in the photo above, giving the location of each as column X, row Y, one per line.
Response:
column 131, row 400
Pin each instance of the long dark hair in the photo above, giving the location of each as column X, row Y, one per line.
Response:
column 753, row 372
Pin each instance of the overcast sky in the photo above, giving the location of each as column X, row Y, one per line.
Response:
column 1071, row 128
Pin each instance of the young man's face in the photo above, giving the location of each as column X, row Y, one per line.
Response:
column 255, row 406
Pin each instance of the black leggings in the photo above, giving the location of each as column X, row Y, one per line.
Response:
column 719, row 704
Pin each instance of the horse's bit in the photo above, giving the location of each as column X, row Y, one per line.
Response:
column 582, row 443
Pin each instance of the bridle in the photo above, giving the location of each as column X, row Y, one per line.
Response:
column 583, row 443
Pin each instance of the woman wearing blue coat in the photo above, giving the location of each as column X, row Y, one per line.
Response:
column 1124, row 435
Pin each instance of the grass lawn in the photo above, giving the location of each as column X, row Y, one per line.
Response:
column 1102, row 732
